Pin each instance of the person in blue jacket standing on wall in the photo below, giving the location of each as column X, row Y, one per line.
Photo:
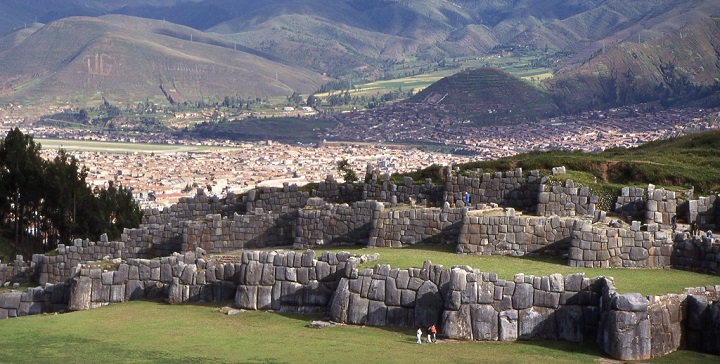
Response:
column 466, row 199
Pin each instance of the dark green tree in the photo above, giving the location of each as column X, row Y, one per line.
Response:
column 21, row 185
column 346, row 171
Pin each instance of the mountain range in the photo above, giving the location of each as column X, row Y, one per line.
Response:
column 615, row 51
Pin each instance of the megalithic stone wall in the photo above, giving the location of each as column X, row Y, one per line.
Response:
column 189, row 208
column 397, row 228
column 386, row 296
column 511, row 235
column 661, row 206
column 598, row 245
column 34, row 301
column 290, row 282
column 479, row 306
column 58, row 268
column 631, row 203
column 703, row 320
column 152, row 240
column 570, row 199
column 320, row 223
column 507, row 189
column 19, row 272
column 634, row 327
column 705, row 211
column 696, row 253
column 217, row 234
column 383, row 189
column 276, row 199
column 179, row 278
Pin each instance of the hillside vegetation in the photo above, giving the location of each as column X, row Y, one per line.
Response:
column 488, row 95
column 686, row 162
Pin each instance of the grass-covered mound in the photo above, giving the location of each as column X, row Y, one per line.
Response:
column 488, row 96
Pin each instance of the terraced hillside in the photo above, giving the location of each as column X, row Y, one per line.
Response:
column 487, row 95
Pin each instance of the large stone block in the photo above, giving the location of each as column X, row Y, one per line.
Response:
column 508, row 321
column 340, row 302
column 537, row 323
column 428, row 305
column 316, row 294
column 456, row 325
column 633, row 302
column 627, row 335
column 80, row 298
column 246, row 297
column 392, row 293
column 523, row 296
column 357, row 310
column 484, row 322
column 570, row 323
column 377, row 313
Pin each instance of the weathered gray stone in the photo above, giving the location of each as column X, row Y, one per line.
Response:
column 428, row 305
column 377, row 313
column 537, row 323
column 508, row 325
column 358, row 310
column 80, row 299
column 627, row 335
column 340, row 302
column 246, row 297
column 570, row 324
column 456, row 324
column 523, row 297
column 392, row 294
column 484, row 322
column 633, row 302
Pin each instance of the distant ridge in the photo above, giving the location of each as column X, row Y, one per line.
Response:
column 129, row 59
column 487, row 95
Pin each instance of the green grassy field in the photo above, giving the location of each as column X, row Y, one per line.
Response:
column 645, row 281
column 152, row 332
column 117, row 147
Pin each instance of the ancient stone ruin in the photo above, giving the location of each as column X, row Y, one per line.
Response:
column 179, row 254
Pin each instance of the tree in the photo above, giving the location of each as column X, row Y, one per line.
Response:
column 21, row 184
column 346, row 171
column 45, row 203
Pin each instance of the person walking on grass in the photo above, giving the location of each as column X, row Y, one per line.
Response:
column 432, row 331
column 419, row 335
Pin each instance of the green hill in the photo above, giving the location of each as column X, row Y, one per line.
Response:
column 487, row 95
column 690, row 161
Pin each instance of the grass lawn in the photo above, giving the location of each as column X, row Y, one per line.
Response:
column 151, row 332
column 645, row 281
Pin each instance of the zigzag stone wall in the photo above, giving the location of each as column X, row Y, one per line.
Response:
column 572, row 199
column 608, row 247
column 479, row 306
column 466, row 304
column 397, row 228
column 216, row 234
column 696, row 253
column 179, row 278
column 290, row 282
column 34, row 301
column 58, row 268
column 320, row 223
column 511, row 235
column 507, row 189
